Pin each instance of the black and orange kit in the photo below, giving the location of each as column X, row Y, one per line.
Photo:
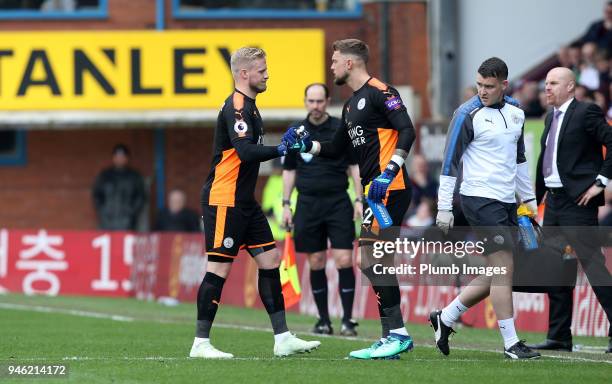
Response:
column 233, row 219
column 375, row 123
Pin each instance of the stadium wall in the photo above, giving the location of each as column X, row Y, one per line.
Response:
column 154, row 266
column 52, row 188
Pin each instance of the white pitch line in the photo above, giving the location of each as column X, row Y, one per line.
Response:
column 74, row 312
column 173, row 358
column 101, row 315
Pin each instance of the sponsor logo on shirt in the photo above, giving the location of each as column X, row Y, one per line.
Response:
column 356, row 135
column 393, row 103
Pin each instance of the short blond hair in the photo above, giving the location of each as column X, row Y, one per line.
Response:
column 244, row 57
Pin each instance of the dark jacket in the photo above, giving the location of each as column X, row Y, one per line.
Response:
column 118, row 196
column 184, row 220
column 579, row 150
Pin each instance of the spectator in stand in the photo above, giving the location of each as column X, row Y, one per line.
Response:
column 574, row 52
column 589, row 75
column 423, row 184
column 600, row 100
column 600, row 32
column 583, row 94
column 609, row 114
column 176, row 216
column 119, row 193
column 563, row 56
column 602, row 64
column 529, row 99
column 468, row 93
column 424, row 215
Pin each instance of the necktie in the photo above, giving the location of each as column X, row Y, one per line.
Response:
column 549, row 152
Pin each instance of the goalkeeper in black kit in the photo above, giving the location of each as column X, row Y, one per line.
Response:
column 376, row 126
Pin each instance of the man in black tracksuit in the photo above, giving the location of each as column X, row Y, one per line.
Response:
column 324, row 210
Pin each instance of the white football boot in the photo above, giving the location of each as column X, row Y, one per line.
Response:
column 290, row 345
column 205, row 350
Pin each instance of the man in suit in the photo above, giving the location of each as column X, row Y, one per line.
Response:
column 572, row 173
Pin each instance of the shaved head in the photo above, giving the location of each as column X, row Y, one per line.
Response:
column 560, row 86
column 563, row 73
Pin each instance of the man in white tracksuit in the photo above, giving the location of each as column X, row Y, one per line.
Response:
column 486, row 133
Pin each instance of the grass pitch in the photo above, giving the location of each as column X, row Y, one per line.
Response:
column 106, row 340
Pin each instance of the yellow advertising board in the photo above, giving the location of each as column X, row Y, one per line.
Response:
column 85, row 70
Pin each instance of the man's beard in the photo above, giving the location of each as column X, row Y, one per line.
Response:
column 259, row 88
column 341, row 80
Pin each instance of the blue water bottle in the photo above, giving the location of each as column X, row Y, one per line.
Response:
column 379, row 211
column 527, row 234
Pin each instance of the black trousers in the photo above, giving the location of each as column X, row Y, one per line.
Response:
column 562, row 211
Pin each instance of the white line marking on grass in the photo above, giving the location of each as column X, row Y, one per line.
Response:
column 74, row 312
column 108, row 316
column 174, row 358
column 300, row 357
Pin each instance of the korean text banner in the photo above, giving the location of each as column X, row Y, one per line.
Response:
column 80, row 70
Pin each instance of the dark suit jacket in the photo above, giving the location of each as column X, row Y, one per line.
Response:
column 579, row 150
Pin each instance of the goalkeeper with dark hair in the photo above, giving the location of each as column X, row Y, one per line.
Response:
column 377, row 128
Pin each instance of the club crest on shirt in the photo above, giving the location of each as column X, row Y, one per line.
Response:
column 228, row 242
column 361, row 103
column 516, row 119
column 240, row 127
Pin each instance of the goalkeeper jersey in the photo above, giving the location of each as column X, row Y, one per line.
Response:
column 374, row 123
column 232, row 178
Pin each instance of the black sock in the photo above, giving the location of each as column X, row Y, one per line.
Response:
column 271, row 294
column 209, row 296
column 394, row 316
column 388, row 298
column 346, row 285
column 384, row 323
column 318, row 283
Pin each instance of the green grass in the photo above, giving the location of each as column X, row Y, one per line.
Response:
column 153, row 344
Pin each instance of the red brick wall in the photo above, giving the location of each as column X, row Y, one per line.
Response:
column 409, row 58
column 188, row 158
column 53, row 189
column 122, row 14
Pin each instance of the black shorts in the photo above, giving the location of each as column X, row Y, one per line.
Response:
column 227, row 230
column 495, row 220
column 397, row 203
column 320, row 217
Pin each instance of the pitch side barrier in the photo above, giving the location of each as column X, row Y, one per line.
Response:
column 151, row 266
